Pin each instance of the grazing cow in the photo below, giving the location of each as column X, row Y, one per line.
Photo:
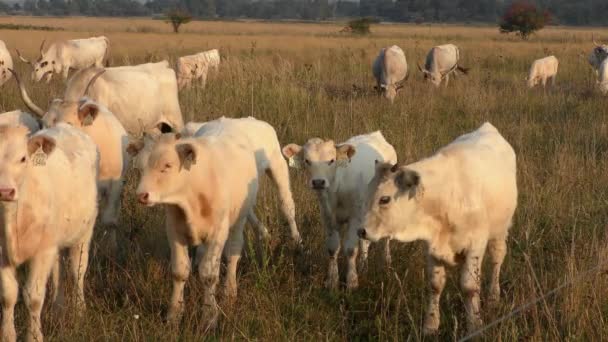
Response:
column 196, row 67
column 339, row 175
column 262, row 141
column 141, row 97
column 441, row 61
column 597, row 56
column 542, row 70
column 111, row 139
column 603, row 81
column 17, row 117
column 75, row 54
column 460, row 202
column 6, row 63
column 48, row 203
column 390, row 69
column 208, row 186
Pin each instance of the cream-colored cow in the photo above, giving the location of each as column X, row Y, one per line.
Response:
column 603, row 73
column 48, row 201
column 6, row 63
column 461, row 202
column 208, row 186
column 339, row 174
column 389, row 70
column 18, row 117
column 542, row 70
column 196, row 67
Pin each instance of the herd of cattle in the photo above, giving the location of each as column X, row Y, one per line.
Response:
column 206, row 175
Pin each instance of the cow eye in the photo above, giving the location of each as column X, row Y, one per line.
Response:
column 307, row 161
column 331, row 161
column 23, row 159
column 384, row 200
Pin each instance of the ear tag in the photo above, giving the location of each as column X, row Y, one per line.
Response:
column 293, row 163
column 87, row 121
column 39, row 157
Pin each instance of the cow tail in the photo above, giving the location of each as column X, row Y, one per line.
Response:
column 107, row 55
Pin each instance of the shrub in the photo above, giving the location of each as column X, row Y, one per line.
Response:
column 361, row 25
column 524, row 18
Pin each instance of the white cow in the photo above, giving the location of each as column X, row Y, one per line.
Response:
column 339, row 174
column 6, row 63
column 440, row 62
column 75, row 54
column 603, row 81
column 597, row 56
column 208, row 186
column 542, row 70
column 262, row 141
column 390, row 69
column 461, row 202
column 196, row 67
column 48, row 200
column 141, row 97
column 17, row 117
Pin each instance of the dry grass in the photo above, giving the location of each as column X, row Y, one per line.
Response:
column 299, row 77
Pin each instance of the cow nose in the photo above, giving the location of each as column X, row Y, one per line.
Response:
column 362, row 234
column 318, row 184
column 7, row 194
column 143, row 198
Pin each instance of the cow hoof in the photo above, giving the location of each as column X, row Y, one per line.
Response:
column 9, row 334
column 210, row 317
column 174, row 315
column 431, row 325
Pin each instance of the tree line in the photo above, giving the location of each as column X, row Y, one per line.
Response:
column 569, row 12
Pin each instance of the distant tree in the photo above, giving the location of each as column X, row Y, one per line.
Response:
column 523, row 18
column 177, row 18
column 361, row 25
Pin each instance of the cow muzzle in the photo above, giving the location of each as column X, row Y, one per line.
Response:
column 144, row 198
column 8, row 194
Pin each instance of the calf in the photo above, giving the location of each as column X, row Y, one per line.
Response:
column 208, row 186
column 48, row 202
column 389, row 69
column 460, row 202
column 441, row 61
column 542, row 70
column 339, row 175
column 195, row 67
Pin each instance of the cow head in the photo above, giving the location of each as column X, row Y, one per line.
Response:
column 393, row 205
column 433, row 76
column 44, row 66
column 18, row 153
column 164, row 163
column 320, row 158
column 78, row 113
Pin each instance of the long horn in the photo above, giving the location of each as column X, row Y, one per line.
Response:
column 22, row 58
column 42, row 46
column 86, row 90
column 26, row 98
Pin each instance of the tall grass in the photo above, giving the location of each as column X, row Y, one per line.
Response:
column 300, row 77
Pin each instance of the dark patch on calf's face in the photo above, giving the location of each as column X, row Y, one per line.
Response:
column 204, row 206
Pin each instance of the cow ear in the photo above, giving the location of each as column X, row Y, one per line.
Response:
column 39, row 147
column 293, row 153
column 87, row 113
column 407, row 181
column 135, row 147
column 344, row 153
column 187, row 155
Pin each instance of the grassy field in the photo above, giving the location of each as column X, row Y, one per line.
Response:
column 300, row 77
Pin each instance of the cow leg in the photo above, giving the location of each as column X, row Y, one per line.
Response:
column 497, row 249
column 35, row 289
column 447, row 80
column 180, row 271
column 9, row 292
column 333, row 239
column 204, row 78
column 79, row 262
column 58, row 296
column 352, row 251
column 111, row 212
column 232, row 253
column 65, row 72
column 553, row 80
column 280, row 176
column 470, row 282
column 437, row 281
column 209, row 273
column 544, row 81
column 261, row 237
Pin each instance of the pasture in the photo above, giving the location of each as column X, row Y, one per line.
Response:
column 308, row 80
